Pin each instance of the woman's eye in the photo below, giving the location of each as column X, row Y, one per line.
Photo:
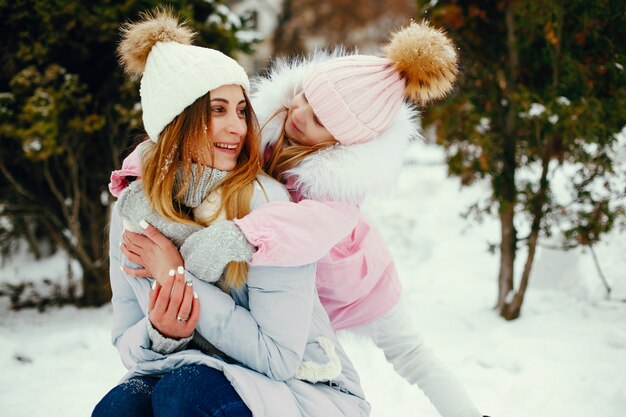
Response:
column 217, row 109
column 242, row 112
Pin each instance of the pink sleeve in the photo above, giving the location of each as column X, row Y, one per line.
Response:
column 131, row 167
column 294, row 234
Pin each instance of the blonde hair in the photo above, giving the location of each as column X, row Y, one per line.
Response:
column 285, row 156
column 178, row 145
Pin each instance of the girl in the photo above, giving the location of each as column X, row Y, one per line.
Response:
column 268, row 326
column 337, row 131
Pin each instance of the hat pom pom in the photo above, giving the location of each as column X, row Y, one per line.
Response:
column 426, row 58
column 138, row 38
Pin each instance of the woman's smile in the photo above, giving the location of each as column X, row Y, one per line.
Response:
column 227, row 148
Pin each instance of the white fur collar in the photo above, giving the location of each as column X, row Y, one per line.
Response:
column 339, row 173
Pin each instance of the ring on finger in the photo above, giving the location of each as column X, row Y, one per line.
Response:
column 182, row 318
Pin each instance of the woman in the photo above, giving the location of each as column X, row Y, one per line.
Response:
column 335, row 131
column 272, row 351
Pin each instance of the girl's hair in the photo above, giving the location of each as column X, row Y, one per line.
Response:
column 180, row 142
column 285, row 156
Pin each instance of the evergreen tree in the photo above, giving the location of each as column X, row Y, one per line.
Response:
column 67, row 117
column 542, row 96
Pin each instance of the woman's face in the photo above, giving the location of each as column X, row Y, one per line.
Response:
column 302, row 125
column 228, row 127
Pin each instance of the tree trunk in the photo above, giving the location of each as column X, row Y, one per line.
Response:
column 97, row 290
column 512, row 309
column 504, row 185
column 33, row 245
column 508, row 245
column 287, row 41
column 96, row 287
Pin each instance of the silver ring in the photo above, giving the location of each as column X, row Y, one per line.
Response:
column 182, row 319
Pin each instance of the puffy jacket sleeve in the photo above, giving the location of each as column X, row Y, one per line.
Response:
column 293, row 234
column 271, row 334
column 130, row 331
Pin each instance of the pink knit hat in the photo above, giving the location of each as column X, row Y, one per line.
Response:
column 357, row 97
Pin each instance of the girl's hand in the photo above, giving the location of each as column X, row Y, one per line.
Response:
column 155, row 252
column 174, row 307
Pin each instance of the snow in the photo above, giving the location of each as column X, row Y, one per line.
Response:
column 104, row 198
column 224, row 17
column 214, row 19
column 536, row 110
column 248, row 36
column 483, row 126
column 564, row 101
column 231, row 17
column 33, row 145
column 563, row 357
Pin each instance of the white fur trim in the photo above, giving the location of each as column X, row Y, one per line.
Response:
column 349, row 173
column 340, row 173
column 319, row 372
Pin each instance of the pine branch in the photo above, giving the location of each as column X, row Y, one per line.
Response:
column 15, row 183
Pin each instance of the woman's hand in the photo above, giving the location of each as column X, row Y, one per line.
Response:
column 174, row 307
column 156, row 253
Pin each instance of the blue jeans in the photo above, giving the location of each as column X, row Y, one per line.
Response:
column 190, row 391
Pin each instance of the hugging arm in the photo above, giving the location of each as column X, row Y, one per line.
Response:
column 279, row 233
column 134, row 206
column 269, row 334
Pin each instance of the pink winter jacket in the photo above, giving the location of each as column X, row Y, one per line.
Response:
column 356, row 277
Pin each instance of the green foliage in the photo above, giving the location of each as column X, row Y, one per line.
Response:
column 542, row 90
column 54, row 112
column 68, row 114
column 567, row 94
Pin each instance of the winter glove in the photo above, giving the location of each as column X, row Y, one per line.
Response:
column 208, row 251
column 134, row 206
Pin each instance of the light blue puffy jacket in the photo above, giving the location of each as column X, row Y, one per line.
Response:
column 274, row 327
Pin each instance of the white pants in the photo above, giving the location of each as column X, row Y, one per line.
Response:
column 405, row 349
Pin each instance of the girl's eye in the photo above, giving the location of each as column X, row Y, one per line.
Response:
column 217, row 109
column 242, row 112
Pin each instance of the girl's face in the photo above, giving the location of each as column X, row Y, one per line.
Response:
column 228, row 127
column 302, row 125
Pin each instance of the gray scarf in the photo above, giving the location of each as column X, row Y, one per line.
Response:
column 200, row 183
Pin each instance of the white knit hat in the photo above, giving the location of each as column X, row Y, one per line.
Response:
column 175, row 73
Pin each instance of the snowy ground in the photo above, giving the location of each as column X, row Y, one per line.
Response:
column 565, row 357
